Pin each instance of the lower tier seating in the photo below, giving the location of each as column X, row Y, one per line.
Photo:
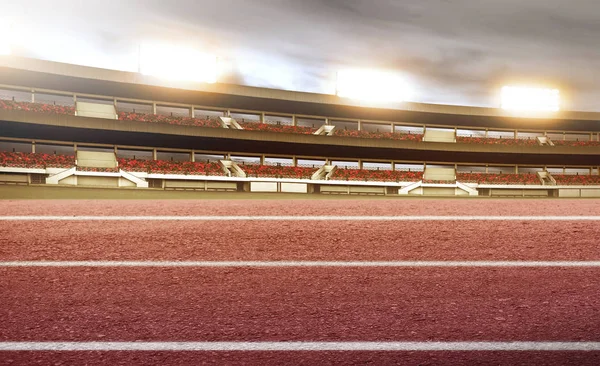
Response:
column 377, row 175
column 36, row 161
column 257, row 126
column 577, row 179
column 278, row 171
column 493, row 178
column 379, row 135
column 173, row 120
column 12, row 105
column 171, row 167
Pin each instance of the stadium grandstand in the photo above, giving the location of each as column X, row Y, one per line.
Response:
column 67, row 125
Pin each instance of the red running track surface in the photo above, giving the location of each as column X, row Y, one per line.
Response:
column 300, row 304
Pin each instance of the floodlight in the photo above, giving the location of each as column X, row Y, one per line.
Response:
column 177, row 63
column 372, row 86
column 517, row 98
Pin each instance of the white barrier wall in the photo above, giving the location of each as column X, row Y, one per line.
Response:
column 263, row 186
column 439, row 136
column 96, row 159
column 448, row 174
column 107, row 111
column 294, row 187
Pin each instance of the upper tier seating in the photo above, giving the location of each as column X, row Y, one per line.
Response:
column 496, row 141
column 36, row 107
column 576, row 179
column 257, row 126
column 493, row 178
column 378, row 135
column 171, row 167
column 376, row 175
column 37, row 161
column 277, row 171
column 173, row 120
column 575, row 143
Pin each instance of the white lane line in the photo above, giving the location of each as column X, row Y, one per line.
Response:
column 299, row 218
column 300, row 346
column 259, row 264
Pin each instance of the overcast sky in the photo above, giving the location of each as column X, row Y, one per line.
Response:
column 452, row 51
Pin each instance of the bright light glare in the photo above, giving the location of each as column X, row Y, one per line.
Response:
column 372, row 86
column 5, row 29
column 4, row 49
column 530, row 99
column 177, row 63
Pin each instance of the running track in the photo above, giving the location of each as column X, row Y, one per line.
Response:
column 274, row 309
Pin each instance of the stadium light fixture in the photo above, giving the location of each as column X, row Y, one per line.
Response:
column 372, row 86
column 527, row 99
column 177, row 63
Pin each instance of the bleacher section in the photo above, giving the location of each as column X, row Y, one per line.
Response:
column 173, row 120
column 492, row 178
column 376, row 175
column 106, row 111
column 575, row 143
column 257, row 126
column 379, row 135
column 496, row 141
column 172, row 167
column 41, row 161
column 278, row 171
column 577, row 179
column 36, row 107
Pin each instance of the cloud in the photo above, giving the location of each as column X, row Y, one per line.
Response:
column 455, row 51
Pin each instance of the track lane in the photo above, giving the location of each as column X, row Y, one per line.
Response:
column 417, row 206
column 290, row 240
column 300, row 305
column 302, row 358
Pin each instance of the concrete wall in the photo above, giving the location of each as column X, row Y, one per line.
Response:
column 294, row 187
column 96, row 110
column 576, row 192
column 13, row 178
column 72, row 181
column 498, row 192
column 448, row 174
column 263, row 186
column 96, row 159
column 98, row 181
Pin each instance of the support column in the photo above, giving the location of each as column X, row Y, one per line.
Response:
column 192, row 112
column 153, row 108
column 486, row 133
column 326, row 120
column 487, row 169
column 393, row 166
column 193, row 156
column 294, row 160
column 32, row 95
column 359, row 125
column 516, row 169
column 360, row 164
column 516, row 134
column 294, row 120
column 262, row 117
column 262, row 160
column 154, row 154
column 33, row 147
column 392, row 129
